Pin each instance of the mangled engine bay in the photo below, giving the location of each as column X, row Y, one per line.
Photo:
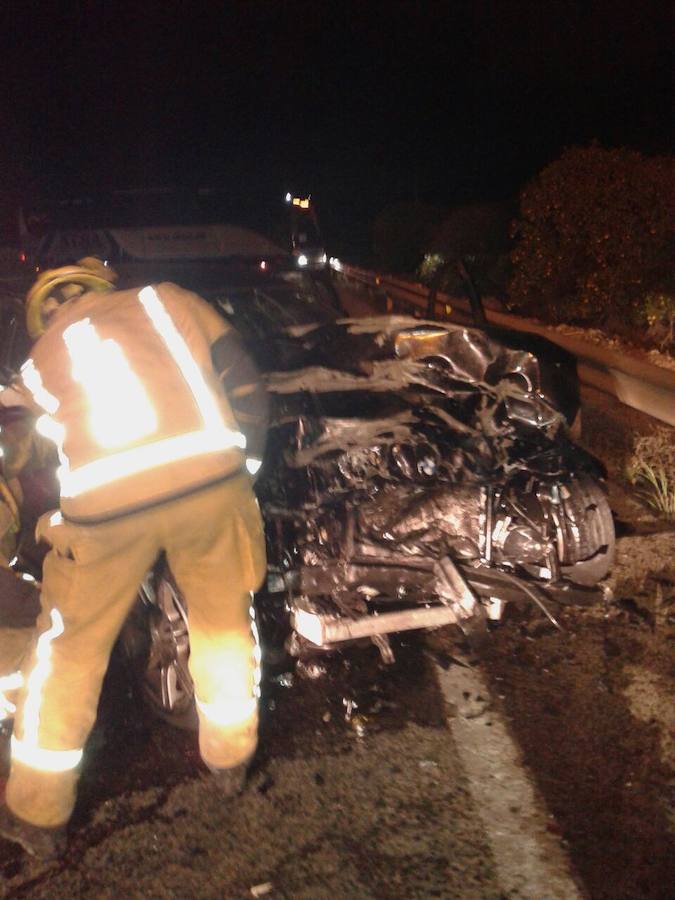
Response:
column 417, row 475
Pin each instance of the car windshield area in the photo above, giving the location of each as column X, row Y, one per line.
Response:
column 264, row 307
column 307, row 235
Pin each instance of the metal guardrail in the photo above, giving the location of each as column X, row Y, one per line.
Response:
column 639, row 384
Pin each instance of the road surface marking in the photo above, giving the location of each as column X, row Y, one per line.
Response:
column 529, row 859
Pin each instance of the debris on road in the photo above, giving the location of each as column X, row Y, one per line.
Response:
column 306, row 669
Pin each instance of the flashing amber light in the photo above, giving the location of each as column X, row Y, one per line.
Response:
column 302, row 202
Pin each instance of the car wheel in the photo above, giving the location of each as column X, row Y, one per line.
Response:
column 586, row 532
column 155, row 641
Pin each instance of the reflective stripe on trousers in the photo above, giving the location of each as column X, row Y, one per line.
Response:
column 215, row 565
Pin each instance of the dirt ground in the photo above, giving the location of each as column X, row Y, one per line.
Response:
column 593, row 706
column 589, row 731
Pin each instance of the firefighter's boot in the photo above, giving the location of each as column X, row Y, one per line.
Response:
column 46, row 844
column 230, row 782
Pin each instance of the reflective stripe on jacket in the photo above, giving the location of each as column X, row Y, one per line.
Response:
column 132, row 400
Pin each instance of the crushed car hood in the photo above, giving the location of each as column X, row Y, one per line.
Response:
column 365, row 387
column 396, row 444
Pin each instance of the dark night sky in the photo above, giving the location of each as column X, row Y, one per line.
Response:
column 360, row 103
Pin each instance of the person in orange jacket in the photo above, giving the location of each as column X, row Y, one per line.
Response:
column 159, row 418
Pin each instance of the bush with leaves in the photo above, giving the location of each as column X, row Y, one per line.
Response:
column 651, row 470
column 478, row 236
column 594, row 238
column 401, row 234
column 658, row 312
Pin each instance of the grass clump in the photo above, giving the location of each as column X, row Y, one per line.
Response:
column 651, row 470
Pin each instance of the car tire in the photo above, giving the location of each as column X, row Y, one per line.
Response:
column 154, row 642
column 587, row 532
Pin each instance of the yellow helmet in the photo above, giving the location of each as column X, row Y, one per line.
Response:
column 88, row 274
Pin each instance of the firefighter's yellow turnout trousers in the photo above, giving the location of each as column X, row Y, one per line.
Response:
column 213, row 539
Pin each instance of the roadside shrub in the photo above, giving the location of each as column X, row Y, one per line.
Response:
column 478, row 236
column 401, row 234
column 429, row 267
column 658, row 313
column 594, row 239
column 651, row 470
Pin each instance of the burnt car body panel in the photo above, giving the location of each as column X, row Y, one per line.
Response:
column 559, row 379
column 558, row 367
column 412, row 462
column 399, row 443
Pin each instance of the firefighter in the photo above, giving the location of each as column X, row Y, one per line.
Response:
column 159, row 418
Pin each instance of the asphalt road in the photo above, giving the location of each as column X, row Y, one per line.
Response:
column 358, row 790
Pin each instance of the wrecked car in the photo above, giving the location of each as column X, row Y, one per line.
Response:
column 417, row 473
